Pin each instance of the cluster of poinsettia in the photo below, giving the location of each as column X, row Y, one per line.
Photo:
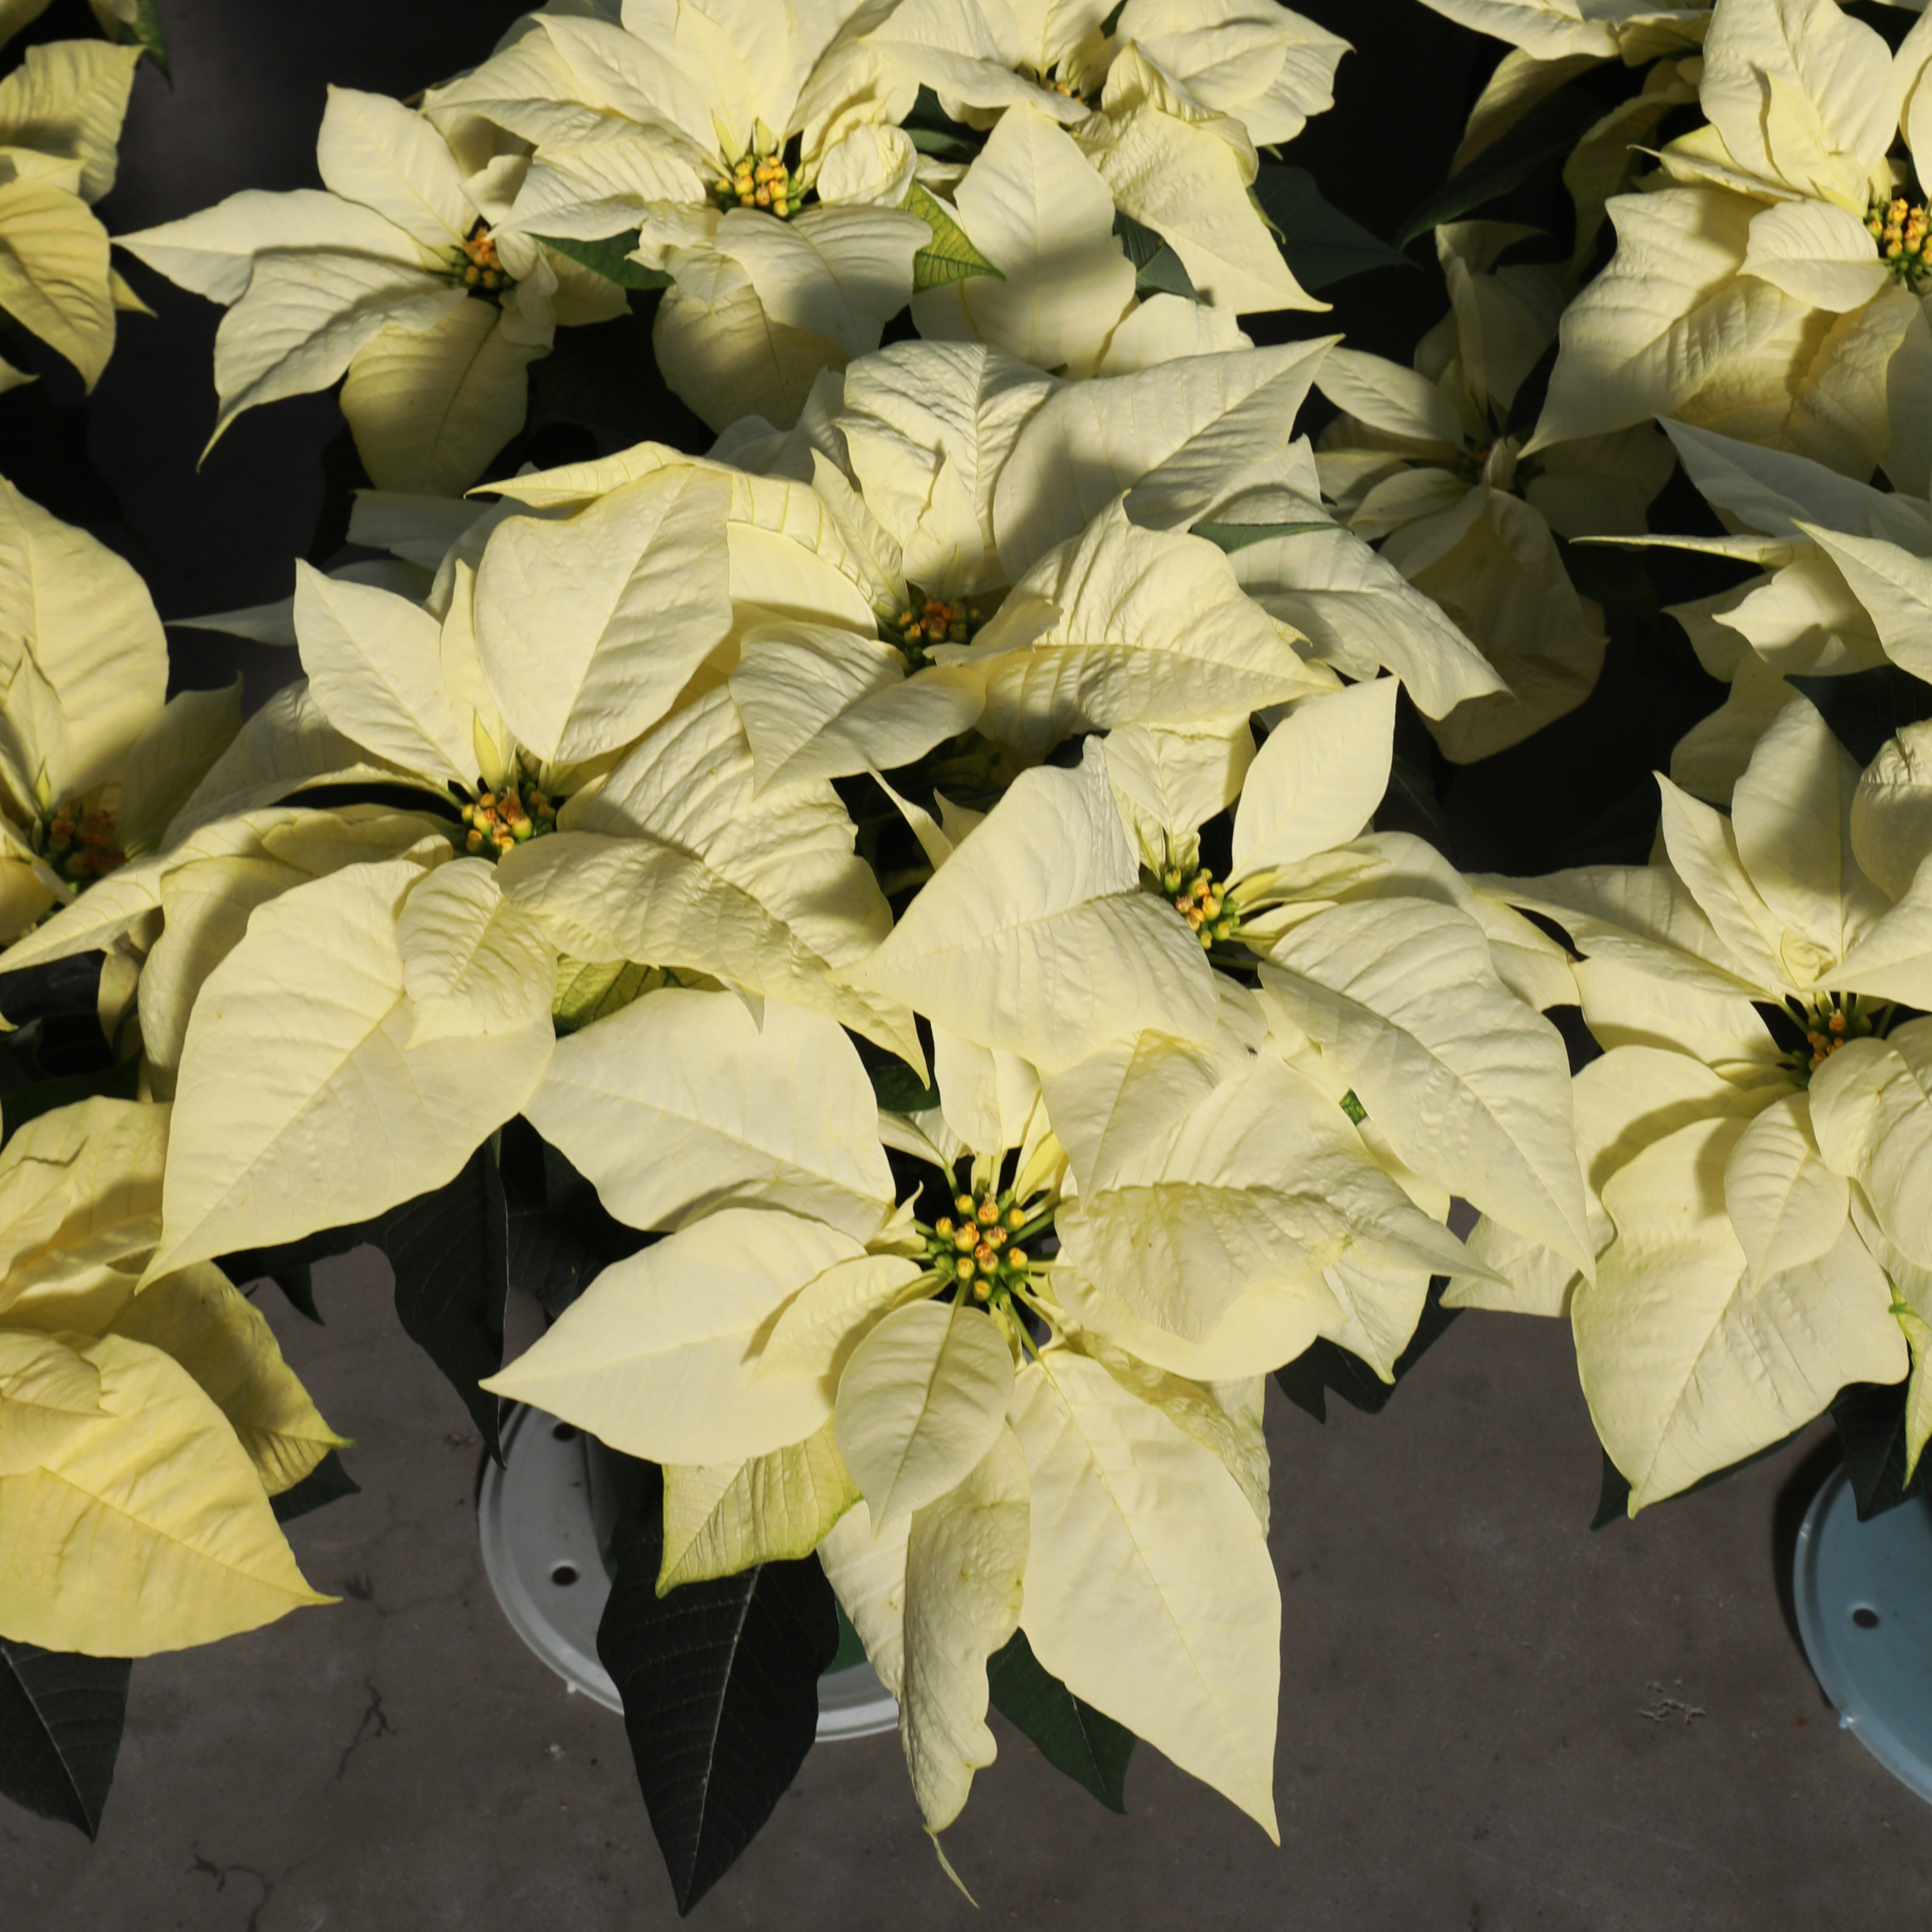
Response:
column 917, row 861
column 1170, row 1113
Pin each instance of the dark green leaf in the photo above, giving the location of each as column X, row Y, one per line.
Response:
column 326, row 1483
column 296, row 1280
column 1306, row 1380
column 118, row 1082
column 145, row 28
column 720, row 1685
column 1158, row 270
column 934, row 132
column 1232, row 537
column 1545, row 137
column 1864, row 708
column 1323, row 246
column 342, row 475
column 1612, row 1498
column 1869, row 1418
column 609, row 258
column 1622, row 833
column 562, row 1236
column 950, row 256
column 1409, row 784
column 450, row 1251
column 69, row 985
column 60, row 1716
column 1618, row 577
column 605, row 376
column 1072, row 1737
column 898, row 1089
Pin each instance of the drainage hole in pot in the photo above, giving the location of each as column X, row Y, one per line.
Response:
column 565, row 1432
column 563, row 1574
column 1865, row 1617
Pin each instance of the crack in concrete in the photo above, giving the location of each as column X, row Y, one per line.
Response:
column 373, row 1714
column 221, row 1874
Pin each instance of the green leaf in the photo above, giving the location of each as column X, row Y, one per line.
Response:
column 297, row 1283
column 145, row 27
column 598, row 988
column 1409, row 784
column 609, row 258
column 1545, row 136
column 933, row 131
column 1072, row 1736
column 450, row 1251
column 1326, row 1365
column 1351, row 1106
column 720, row 1685
column 1158, row 270
column 54, row 1009
column 1322, row 245
column 899, row 1089
column 1618, row 577
column 562, row 1236
column 1869, row 1418
column 1232, row 537
column 1613, row 1498
column 60, row 1716
column 1864, row 708
column 604, row 376
column 327, row 1482
column 949, row 256
column 120, row 1082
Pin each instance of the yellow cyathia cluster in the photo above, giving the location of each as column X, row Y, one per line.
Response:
column 979, row 1250
column 1832, row 1019
column 1899, row 228
column 476, row 262
column 80, row 845
column 934, row 621
column 1201, row 903
column 514, row 813
column 760, row 179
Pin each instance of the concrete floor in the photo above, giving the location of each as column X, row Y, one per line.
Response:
column 1483, row 1721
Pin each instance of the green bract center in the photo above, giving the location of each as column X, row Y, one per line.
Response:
column 1830, row 1020
column 1899, row 229
column 81, row 846
column 982, row 1250
column 1202, row 903
column 514, row 813
column 756, row 180
column 473, row 263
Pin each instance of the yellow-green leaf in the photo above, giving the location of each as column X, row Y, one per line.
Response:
column 720, row 1519
column 214, row 1331
column 950, row 256
column 146, row 1529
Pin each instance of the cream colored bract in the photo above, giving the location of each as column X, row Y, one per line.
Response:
column 1740, row 1281
column 60, row 111
column 1762, row 288
column 400, row 274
